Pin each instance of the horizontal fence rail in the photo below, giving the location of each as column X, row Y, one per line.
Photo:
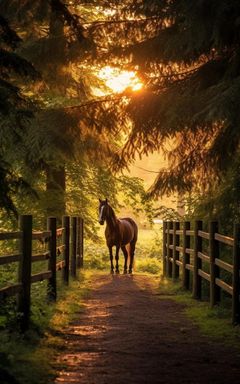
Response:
column 183, row 255
column 66, row 241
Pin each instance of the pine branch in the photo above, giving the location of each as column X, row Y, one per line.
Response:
column 8, row 35
column 71, row 19
column 12, row 61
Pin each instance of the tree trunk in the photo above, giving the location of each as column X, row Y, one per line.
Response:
column 55, row 174
column 55, row 190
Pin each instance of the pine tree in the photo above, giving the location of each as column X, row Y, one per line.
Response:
column 16, row 112
column 70, row 122
column 188, row 55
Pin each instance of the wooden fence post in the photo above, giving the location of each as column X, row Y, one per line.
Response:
column 164, row 251
column 52, row 282
column 197, row 262
column 81, row 241
column 73, row 246
column 24, row 275
column 66, row 243
column 236, row 277
column 169, row 251
column 215, row 291
column 175, row 253
column 78, row 243
column 186, row 256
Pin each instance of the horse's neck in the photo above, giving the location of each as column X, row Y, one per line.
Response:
column 112, row 220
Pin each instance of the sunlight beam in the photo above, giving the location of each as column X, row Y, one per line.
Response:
column 118, row 80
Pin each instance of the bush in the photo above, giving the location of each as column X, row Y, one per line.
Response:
column 149, row 265
column 96, row 256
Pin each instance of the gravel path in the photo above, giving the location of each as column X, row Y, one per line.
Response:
column 126, row 335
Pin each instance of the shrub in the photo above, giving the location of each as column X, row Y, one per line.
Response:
column 149, row 265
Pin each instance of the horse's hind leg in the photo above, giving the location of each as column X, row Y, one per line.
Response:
column 117, row 258
column 132, row 250
column 125, row 252
column 111, row 259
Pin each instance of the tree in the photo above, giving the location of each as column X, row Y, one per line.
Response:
column 16, row 110
column 72, row 126
column 188, row 55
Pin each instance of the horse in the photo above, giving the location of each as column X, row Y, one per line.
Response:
column 119, row 233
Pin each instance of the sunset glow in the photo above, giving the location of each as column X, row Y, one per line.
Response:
column 118, row 80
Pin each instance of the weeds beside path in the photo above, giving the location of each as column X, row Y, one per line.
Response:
column 127, row 335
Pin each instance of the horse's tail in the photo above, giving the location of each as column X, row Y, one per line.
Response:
column 128, row 248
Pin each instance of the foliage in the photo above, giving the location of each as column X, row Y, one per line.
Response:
column 16, row 111
column 167, row 214
column 147, row 258
column 28, row 358
column 152, row 266
column 72, row 126
column 221, row 202
column 191, row 90
column 132, row 194
column 188, row 56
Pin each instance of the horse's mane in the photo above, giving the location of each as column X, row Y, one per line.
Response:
column 112, row 213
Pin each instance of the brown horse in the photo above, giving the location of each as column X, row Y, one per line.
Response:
column 119, row 233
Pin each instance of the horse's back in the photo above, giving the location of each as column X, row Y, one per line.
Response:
column 132, row 227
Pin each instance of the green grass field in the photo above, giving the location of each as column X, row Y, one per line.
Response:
column 148, row 254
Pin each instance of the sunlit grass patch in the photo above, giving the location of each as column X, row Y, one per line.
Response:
column 96, row 256
column 213, row 322
column 148, row 253
column 149, row 265
column 149, row 236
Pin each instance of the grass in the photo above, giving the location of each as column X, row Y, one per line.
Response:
column 148, row 254
column 28, row 358
column 213, row 322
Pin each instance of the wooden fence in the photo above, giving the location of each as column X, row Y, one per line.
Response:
column 179, row 258
column 66, row 241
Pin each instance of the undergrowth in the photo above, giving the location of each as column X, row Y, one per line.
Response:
column 27, row 358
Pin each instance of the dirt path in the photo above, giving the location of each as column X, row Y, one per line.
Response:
column 127, row 335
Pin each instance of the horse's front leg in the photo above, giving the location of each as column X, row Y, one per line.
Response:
column 117, row 258
column 111, row 259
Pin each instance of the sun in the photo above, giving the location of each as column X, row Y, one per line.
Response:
column 118, row 80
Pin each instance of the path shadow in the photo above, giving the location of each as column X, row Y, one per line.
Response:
column 127, row 335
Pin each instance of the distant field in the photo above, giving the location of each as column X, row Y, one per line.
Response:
column 148, row 255
column 143, row 234
column 149, row 235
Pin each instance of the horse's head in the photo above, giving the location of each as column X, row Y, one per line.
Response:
column 103, row 210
